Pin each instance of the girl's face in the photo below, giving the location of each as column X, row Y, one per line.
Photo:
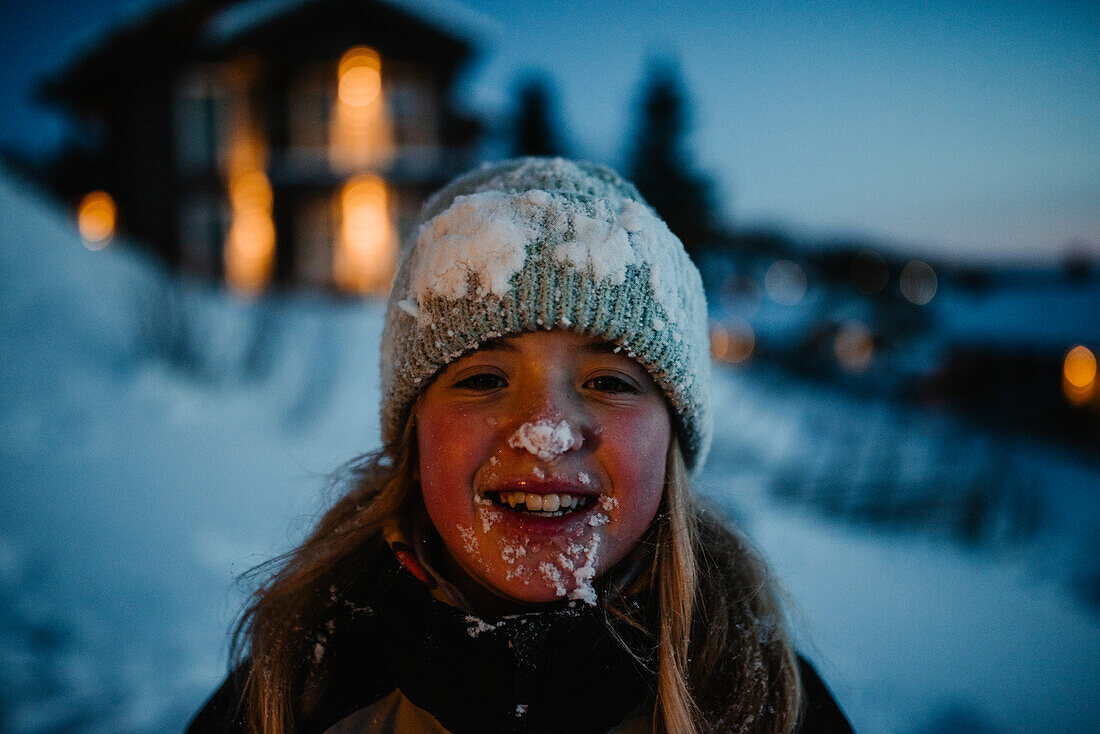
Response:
column 542, row 462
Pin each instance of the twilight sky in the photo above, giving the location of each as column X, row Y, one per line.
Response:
column 965, row 130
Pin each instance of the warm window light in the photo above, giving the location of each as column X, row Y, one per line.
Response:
column 361, row 131
column 742, row 340
column 96, row 217
column 250, row 245
column 719, row 341
column 854, row 346
column 1079, row 375
column 918, row 282
column 360, row 76
column 366, row 254
column 732, row 342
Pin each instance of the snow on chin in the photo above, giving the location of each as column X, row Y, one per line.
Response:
column 545, row 439
column 585, row 574
column 553, row 576
column 513, row 555
column 578, row 561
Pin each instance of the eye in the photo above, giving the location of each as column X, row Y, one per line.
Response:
column 482, row 381
column 610, row 384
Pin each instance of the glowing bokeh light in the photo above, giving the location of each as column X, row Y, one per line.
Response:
column 742, row 341
column 250, row 244
column 361, row 130
column 719, row 341
column 918, row 282
column 366, row 255
column 732, row 342
column 1079, row 375
column 96, row 218
column 785, row 282
column 854, row 346
column 360, row 76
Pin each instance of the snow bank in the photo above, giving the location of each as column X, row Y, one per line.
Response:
column 135, row 491
column 140, row 479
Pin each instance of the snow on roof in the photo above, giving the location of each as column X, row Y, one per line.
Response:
column 240, row 17
column 449, row 17
column 454, row 17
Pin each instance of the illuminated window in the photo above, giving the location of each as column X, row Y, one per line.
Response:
column 854, row 346
column 250, row 244
column 732, row 341
column 96, row 218
column 366, row 252
column 361, row 130
column 1079, row 375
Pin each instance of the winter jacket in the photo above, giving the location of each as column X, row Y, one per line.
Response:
column 394, row 653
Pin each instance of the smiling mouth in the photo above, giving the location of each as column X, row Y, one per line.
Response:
column 542, row 505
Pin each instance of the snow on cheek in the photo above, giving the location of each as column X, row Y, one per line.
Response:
column 545, row 439
column 469, row 540
column 607, row 503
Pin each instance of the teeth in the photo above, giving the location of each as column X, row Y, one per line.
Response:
column 555, row 503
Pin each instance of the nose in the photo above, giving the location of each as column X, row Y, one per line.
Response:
column 550, row 420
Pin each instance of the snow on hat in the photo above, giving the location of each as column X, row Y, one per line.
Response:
column 539, row 243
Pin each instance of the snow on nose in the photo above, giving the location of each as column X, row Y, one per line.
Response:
column 545, row 439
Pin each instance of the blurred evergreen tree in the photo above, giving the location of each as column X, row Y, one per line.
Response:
column 660, row 164
column 538, row 130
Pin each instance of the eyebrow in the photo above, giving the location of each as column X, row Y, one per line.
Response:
column 497, row 345
column 502, row 344
column 601, row 348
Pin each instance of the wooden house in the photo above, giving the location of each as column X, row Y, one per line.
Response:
column 267, row 142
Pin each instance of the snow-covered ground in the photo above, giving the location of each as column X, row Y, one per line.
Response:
column 159, row 439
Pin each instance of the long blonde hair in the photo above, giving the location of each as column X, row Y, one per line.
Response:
column 724, row 662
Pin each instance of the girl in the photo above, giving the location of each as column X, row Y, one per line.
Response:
column 524, row 554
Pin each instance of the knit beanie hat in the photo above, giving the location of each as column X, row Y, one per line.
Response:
column 539, row 243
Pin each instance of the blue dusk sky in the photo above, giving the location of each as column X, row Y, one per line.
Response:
column 958, row 130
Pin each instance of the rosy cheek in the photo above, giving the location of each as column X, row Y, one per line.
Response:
column 641, row 441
